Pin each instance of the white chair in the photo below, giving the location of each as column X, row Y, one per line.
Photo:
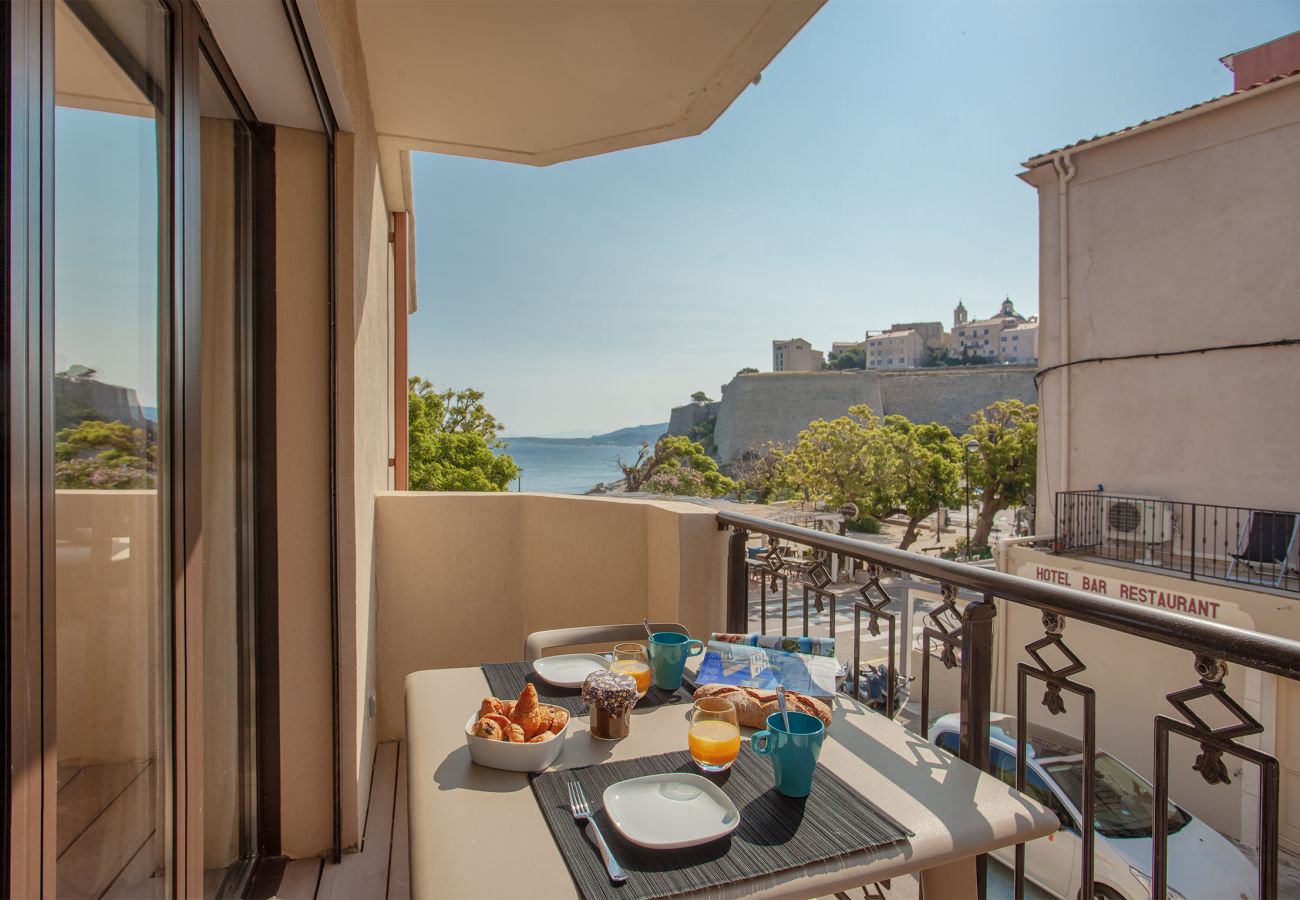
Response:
column 539, row 642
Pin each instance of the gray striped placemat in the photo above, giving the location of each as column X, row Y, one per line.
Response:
column 507, row 679
column 776, row 833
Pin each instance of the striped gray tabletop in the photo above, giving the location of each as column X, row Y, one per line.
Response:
column 776, row 833
column 506, row 680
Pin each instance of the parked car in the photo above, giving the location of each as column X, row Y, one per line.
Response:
column 1202, row 862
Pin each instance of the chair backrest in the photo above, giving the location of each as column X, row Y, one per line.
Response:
column 1270, row 538
column 540, row 641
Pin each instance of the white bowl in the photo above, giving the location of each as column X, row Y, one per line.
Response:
column 514, row 757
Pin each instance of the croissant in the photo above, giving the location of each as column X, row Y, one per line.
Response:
column 486, row 728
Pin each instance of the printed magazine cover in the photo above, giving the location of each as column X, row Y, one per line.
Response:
column 744, row 665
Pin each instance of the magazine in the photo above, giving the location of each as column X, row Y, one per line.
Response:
column 743, row 665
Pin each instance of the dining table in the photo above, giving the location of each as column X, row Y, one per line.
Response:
column 479, row 832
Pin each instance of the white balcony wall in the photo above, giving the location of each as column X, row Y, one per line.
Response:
column 462, row 579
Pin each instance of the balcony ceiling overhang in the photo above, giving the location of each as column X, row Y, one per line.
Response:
column 545, row 81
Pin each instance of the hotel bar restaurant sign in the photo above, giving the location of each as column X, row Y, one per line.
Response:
column 1161, row 598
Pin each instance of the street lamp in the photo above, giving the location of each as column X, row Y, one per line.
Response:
column 971, row 446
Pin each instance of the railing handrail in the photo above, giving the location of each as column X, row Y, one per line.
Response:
column 1264, row 652
column 1110, row 495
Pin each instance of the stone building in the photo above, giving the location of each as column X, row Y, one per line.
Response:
column 983, row 337
column 899, row 349
column 795, row 355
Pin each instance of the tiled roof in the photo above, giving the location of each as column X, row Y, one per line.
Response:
column 1044, row 157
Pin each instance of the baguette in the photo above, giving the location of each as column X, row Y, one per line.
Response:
column 753, row 705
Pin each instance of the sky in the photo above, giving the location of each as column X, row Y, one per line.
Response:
column 106, row 248
column 868, row 179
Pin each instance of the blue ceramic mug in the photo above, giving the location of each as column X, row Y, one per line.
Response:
column 668, row 653
column 794, row 753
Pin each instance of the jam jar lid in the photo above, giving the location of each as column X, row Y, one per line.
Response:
column 613, row 692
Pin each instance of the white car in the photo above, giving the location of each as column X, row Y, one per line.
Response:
column 1202, row 862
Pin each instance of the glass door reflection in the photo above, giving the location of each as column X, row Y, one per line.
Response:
column 112, row 293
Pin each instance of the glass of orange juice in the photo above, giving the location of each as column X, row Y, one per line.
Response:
column 631, row 659
column 714, row 736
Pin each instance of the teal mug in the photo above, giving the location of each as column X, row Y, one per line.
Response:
column 668, row 653
column 794, row 753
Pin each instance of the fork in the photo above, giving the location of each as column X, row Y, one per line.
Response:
column 582, row 813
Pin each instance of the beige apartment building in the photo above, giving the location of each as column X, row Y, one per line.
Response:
column 796, row 355
column 1169, row 383
column 899, row 349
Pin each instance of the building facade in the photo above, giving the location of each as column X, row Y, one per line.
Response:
column 895, row 350
column 984, row 337
column 1167, row 440
column 795, row 355
column 932, row 333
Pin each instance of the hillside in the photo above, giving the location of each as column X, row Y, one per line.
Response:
column 633, row 434
column 623, row 437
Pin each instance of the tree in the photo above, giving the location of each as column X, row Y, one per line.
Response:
column 850, row 358
column 1003, row 468
column 702, row 434
column 841, row 460
column 104, row 455
column 701, row 397
column 748, row 370
column 677, row 466
column 758, row 471
column 925, row 470
column 452, row 438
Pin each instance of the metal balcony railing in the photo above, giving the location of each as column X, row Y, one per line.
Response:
column 963, row 633
column 1255, row 547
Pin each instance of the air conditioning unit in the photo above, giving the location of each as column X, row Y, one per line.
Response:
column 1138, row 520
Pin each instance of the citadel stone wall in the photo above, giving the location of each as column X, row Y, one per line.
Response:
column 684, row 418
column 776, row 406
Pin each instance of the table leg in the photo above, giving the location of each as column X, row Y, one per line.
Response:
column 954, row 881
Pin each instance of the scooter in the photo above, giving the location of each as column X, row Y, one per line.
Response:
column 873, row 683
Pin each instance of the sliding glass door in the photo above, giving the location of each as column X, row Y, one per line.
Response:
column 149, row 601
column 112, row 437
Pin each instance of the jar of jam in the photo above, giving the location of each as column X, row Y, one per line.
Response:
column 610, row 697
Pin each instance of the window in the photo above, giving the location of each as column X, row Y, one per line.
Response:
column 1004, row 766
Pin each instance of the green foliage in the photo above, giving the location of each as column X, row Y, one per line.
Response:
column 104, row 455
column 748, row 370
column 758, row 471
column 924, row 470
column 840, row 461
column 701, row 397
column 958, row 551
column 702, row 434
column 939, row 357
column 864, row 525
column 852, row 358
column 678, row 466
column 885, row 467
column 452, row 436
column 1004, row 467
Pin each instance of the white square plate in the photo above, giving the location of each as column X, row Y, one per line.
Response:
column 667, row 812
column 569, row 670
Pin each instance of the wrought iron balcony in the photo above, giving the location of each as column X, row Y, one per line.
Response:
column 1243, row 546
column 963, row 633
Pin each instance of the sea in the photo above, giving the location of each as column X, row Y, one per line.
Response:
column 559, row 467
